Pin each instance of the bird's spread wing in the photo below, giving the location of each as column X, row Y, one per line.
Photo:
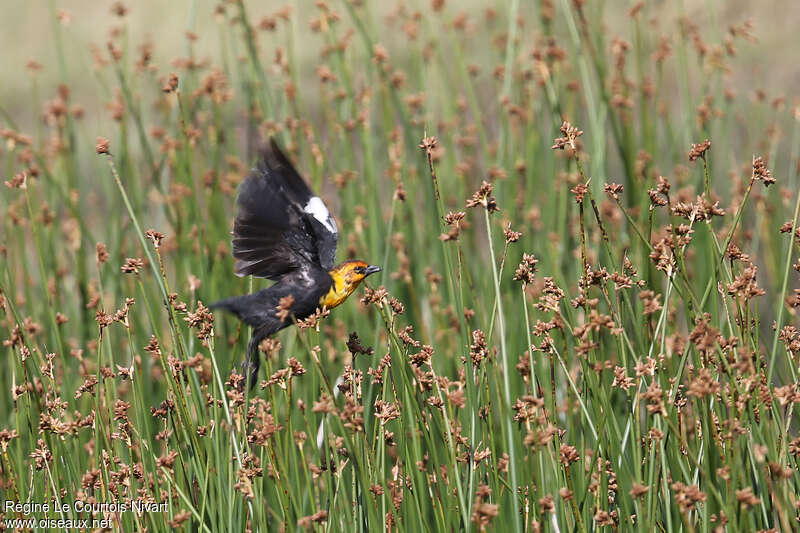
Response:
column 281, row 226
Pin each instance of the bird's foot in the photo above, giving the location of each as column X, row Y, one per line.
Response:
column 250, row 372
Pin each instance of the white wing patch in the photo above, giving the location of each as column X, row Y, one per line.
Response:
column 316, row 208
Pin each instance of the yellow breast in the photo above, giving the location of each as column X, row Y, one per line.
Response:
column 338, row 292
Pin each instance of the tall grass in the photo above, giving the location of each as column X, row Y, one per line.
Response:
column 586, row 317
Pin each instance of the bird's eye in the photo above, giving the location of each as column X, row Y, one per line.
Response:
column 361, row 270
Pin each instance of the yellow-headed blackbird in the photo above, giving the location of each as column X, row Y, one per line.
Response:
column 284, row 232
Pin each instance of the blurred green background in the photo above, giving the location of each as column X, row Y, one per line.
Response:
column 26, row 33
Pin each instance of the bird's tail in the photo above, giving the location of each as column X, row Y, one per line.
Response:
column 235, row 305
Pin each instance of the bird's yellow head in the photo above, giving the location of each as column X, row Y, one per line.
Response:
column 346, row 278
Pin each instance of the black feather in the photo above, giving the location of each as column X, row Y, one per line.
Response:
column 273, row 234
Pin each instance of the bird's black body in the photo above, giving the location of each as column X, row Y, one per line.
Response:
column 282, row 232
column 259, row 309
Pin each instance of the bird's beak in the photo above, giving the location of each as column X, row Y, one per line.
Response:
column 371, row 269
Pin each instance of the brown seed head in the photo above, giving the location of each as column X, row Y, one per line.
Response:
column 155, row 236
column 579, row 191
column 355, row 347
column 761, row 172
column 613, row 190
column 19, row 181
column 568, row 455
column 526, row 271
column 119, row 9
column 284, row 307
column 102, row 145
column 428, row 144
column 483, row 197
column 699, row 150
column 102, row 252
column 511, row 236
column 132, row 265
column 571, row 133
column 172, row 84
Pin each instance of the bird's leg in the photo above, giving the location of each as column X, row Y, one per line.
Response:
column 252, row 363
